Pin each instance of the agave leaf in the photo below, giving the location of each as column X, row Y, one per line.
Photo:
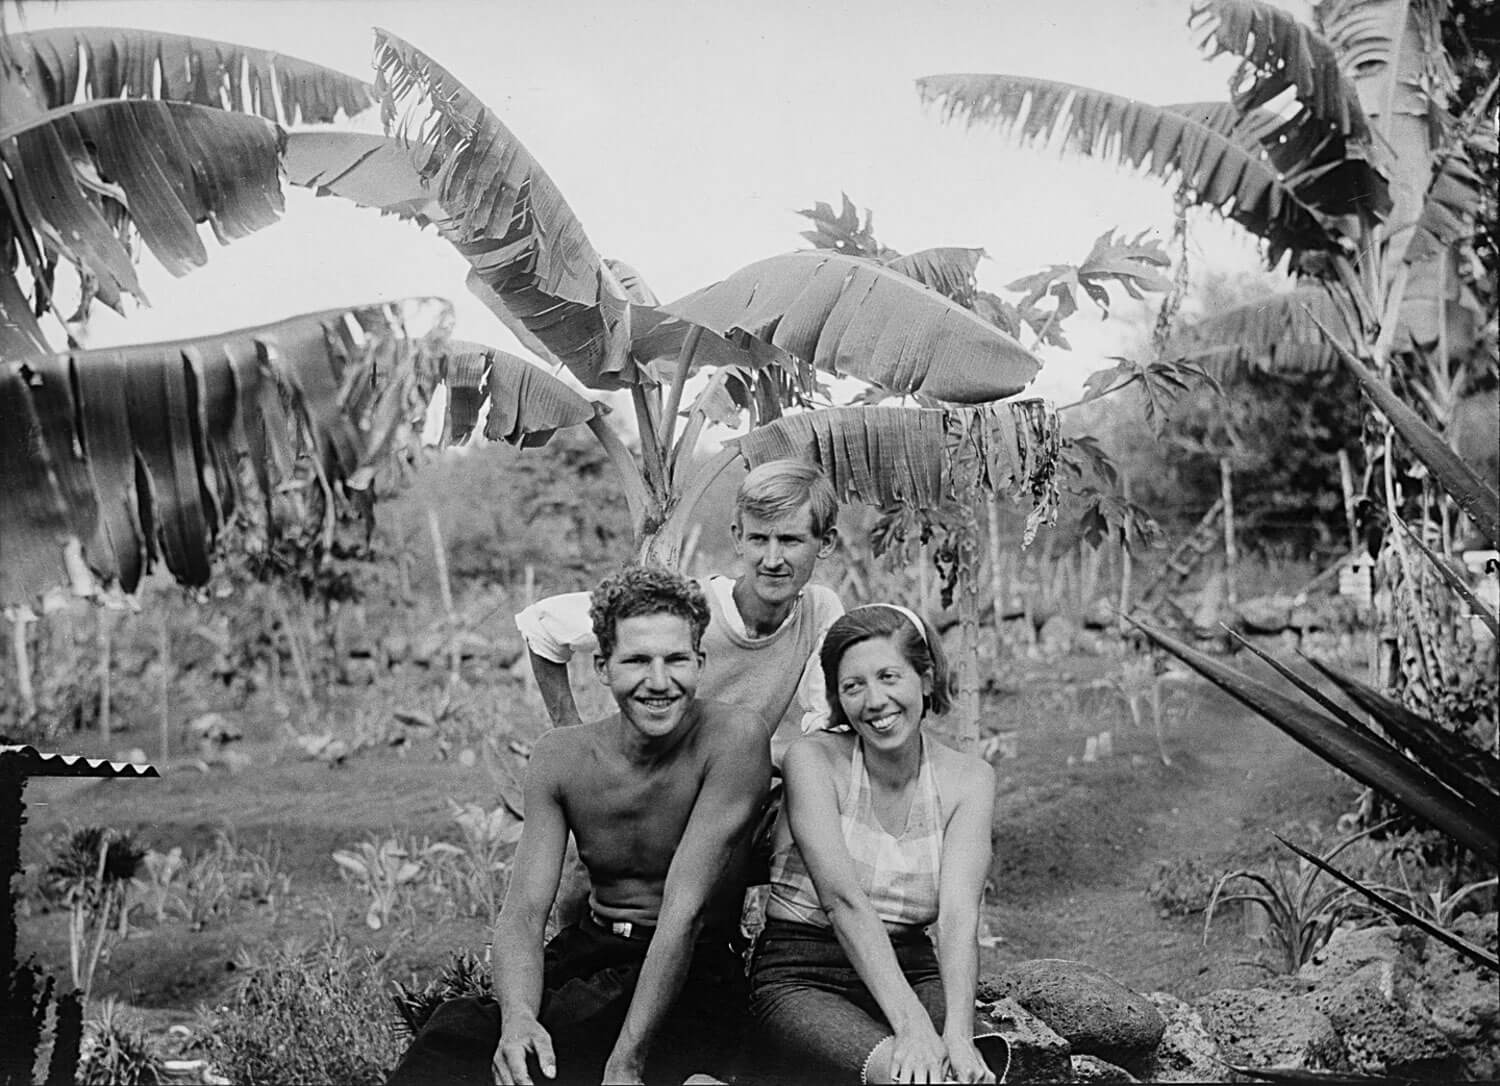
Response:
column 1447, row 938
column 140, row 452
column 532, row 263
column 1214, row 170
column 1454, row 581
column 1348, row 719
column 1364, row 758
column 1474, row 496
column 1472, row 772
column 58, row 65
column 847, row 316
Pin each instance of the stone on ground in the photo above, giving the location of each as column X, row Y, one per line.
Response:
column 1097, row 1014
column 1261, row 1028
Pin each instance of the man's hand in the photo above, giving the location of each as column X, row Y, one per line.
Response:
column 623, row 1070
column 526, row 1038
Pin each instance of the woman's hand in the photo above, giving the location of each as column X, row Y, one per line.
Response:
column 965, row 1064
column 917, row 1055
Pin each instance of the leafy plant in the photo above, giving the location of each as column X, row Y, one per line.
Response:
column 92, row 875
column 385, row 871
column 1180, row 886
column 164, row 875
column 464, row 975
column 1302, row 914
column 489, row 839
column 302, row 1014
column 119, row 1051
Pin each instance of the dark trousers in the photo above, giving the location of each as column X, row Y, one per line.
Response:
column 588, row 979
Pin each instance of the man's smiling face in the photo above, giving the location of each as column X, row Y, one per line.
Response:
column 653, row 671
column 779, row 554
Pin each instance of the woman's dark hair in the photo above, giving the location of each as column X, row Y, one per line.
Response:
column 922, row 650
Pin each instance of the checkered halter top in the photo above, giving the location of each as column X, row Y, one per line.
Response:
column 898, row 872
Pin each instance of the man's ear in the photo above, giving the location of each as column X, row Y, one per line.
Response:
column 735, row 533
column 601, row 668
column 829, row 542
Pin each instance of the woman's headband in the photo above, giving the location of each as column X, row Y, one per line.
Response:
column 910, row 615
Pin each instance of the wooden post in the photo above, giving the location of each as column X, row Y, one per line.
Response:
column 1346, row 483
column 968, row 623
column 19, row 617
column 1126, row 561
column 164, row 656
column 1231, row 554
column 924, row 575
column 445, row 590
column 997, row 571
column 105, row 630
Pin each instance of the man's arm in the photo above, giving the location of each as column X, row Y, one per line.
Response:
column 555, row 629
column 728, row 804
column 557, row 692
column 518, row 932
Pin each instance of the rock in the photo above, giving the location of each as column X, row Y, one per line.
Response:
column 1382, row 1033
column 1058, row 635
column 1186, row 1052
column 1099, row 614
column 1037, row 1054
column 357, row 671
column 1405, row 1004
column 1261, row 1028
column 1092, row 1069
column 214, row 729
column 1265, row 614
column 395, row 647
column 1097, row 1014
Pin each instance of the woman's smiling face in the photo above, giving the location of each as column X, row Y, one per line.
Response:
column 881, row 694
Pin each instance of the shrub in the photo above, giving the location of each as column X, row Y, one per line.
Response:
column 464, row 975
column 1181, row 886
column 118, row 1050
column 303, row 1015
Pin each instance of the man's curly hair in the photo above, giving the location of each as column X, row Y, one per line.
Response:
column 645, row 590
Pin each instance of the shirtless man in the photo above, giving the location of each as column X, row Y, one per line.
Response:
column 661, row 797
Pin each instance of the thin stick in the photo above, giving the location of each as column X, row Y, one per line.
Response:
column 1231, row 551
column 445, row 590
column 164, row 654
column 106, row 627
column 19, row 617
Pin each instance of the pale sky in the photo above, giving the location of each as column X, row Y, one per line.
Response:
column 685, row 135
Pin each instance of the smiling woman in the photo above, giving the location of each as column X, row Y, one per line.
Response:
column 883, row 833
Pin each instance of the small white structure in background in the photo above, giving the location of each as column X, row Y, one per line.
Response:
column 1354, row 578
column 1484, row 568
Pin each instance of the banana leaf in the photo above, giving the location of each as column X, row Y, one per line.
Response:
column 527, row 405
column 145, row 453
column 1365, row 758
column 56, row 66
column 844, row 315
column 532, row 264
column 1213, row 169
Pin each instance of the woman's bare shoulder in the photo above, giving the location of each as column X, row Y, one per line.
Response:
column 960, row 774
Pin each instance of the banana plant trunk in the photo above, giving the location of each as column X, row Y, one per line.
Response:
column 966, row 724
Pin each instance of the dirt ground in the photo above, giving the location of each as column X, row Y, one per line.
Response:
column 1075, row 845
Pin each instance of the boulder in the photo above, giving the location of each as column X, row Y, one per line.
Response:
column 1186, row 1052
column 1406, row 1004
column 1037, row 1054
column 1092, row 1069
column 1058, row 635
column 1265, row 614
column 1262, row 1028
column 1097, row 1014
column 1382, row 1033
column 214, row 730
